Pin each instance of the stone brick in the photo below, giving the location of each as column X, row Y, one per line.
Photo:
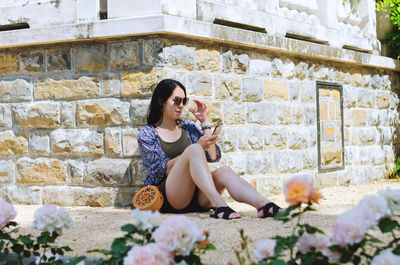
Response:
column 373, row 118
column 366, row 136
column 107, row 172
column 282, row 69
column 41, row 171
column 31, row 62
column 366, row 80
column 110, row 85
column 227, row 88
column 288, row 161
column 113, row 142
column 351, row 155
column 76, row 171
column 124, row 196
column 252, row 89
column 293, row 90
column 359, row 117
column 298, row 139
column 356, row 79
column 77, row 142
column 308, row 91
column 39, row 143
column 323, row 73
column 331, row 155
column 90, row 57
column 347, row 117
column 241, row 63
column 15, row 91
column 7, row 173
column 81, row 88
column 103, row 112
column 129, row 142
column 310, row 115
column 12, row 145
column 237, row 161
column 251, row 138
column 386, row 135
column 289, row 114
column 22, row 195
column 339, row 76
column 372, row 155
column 366, row 98
column 261, row 113
column 260, row 67
column 275, row 90
column 377, row 82
column 139, row 111
column 234, row 114
column 59, row 59
column 38, row 115
column 200, row 84
column 207, row 60
column 140, row 83
column 227, row 62
column 214, row 111
column 383, row 100
column 309, row 159
column 5, row 116
column 349, row 97
column 259, row 163
column 180, row 56
column 8, row 63
column 301, row 70
column 138, row 172
column 124, row 54
column 229, row 139
column 325, row 180
column 152, row 49
column 276, row 138
column 394, row 101
column 68, row 115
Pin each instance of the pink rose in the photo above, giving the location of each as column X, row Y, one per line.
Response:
column 373, row 209
column 148, row 255
column 317, row 241
column 386, row 257
column 7, row 213
column 265, row 249
column 349, row 228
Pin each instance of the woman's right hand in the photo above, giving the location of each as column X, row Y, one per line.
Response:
column 206, row 141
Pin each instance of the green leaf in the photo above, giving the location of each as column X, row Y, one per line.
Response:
column 129, row 228
column 278, row 262
column 306, row 260
column 286, row 212
column 210, row 247
column 397, row 250
column 118, row 244
column 26, row 240
column 345, row 257
column 387, row 225
column 75, row 261
column 356, row 260
column 67, row 248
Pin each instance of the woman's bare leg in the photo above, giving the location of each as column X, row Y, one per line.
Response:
column 189, row 171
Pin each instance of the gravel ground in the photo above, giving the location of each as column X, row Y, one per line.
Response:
column 96, row 227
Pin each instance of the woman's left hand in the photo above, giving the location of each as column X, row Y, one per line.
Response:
column 201, row 112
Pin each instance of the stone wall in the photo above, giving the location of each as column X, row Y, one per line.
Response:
column 70, row 115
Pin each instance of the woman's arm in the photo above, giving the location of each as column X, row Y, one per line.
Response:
column 212, row 150
column 171, row 163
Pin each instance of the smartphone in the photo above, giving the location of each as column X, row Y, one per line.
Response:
column 217, row 129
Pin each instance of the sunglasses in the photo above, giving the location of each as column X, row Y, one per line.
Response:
column 178, row 101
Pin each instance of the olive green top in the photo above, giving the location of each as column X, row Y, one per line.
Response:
column 176, row 148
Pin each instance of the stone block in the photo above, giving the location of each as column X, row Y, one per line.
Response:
column 324, row 180
column 110, row 85
column 38, row 115
column 298, row 139
column 309, row 159
column 107, row 172
column 251, row 138
column 125, row 54
column 234, row 114
column 113, row 142
column 227, row 62
column 39, row 143
column 8, row 63
column 282, row 69
column 15, row 91
column 261, row 113
column 12, row 145
column 124, row 196
column 275, row 90
column 259, row 163
column 5, row 116
column 81, row 88
column 276, row 138
column 208, row 60
column 90, row 57
column 77, row 196
column 331, row 155
column 351, row 155
column 252, row 89
column 31, row 62
column 366, row 98
column 377, row 82
column 214, row 111
column 7, row 173
column 260, row 67
column 77, row 142
column 103, row 112
column 41, row 171
column 356, row 79
column 289, row 114
column 240, row 63
column 76, row 171
column 366, row 136
column 139, row 109
column 22, row 195
column 200, row 84
column 386, row 135
column 383, row 100
column 394, row 101
column 288, row 161
column 237, row 161
column 373, row 118
column 359, row 117
column 293, row 90
column 227, row 88
column 179, row 56
column 138, row 172
column 140, row 84
column 349, row 97
column 308, row 92
column 68, row 115
column 59, row 59
column 129, row 142
column 229, row 139
column 301, row 70
column 152, row 48
column 310, row 114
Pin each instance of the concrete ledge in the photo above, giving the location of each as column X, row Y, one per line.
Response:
column 171, row 25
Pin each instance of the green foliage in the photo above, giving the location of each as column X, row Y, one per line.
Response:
column 393, row 7
column 396, row 170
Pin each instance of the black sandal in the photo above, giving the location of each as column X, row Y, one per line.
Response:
column 223, row 209
column 267, row 207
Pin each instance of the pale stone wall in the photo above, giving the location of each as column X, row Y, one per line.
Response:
column 70, row 115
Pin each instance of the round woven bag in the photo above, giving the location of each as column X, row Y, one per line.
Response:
column 148, row 198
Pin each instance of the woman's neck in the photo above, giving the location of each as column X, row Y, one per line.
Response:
column 168, row 124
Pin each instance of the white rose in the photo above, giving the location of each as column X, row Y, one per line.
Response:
column 386, row 257
column 373, row 208
column 7, row 213
column 48, row 218
column 144, row 218
column 392, row 197
column 265, row 249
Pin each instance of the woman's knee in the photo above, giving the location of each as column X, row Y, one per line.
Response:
column 194, row 149
column 223, row 175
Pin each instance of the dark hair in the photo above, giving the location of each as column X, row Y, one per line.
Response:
column 161, row 93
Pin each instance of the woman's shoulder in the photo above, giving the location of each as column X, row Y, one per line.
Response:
column 188, row 123
column 147, row 131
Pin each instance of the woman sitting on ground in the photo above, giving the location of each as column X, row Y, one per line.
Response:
column 175, row 153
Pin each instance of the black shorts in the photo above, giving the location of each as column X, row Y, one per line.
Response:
column 192, row 207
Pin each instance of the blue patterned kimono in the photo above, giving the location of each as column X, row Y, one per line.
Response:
column 154, row 158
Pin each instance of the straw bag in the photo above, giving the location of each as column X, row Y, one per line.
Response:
column 148, row 198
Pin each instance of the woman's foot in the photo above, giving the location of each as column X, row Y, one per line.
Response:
column 224, row 212
column 270, row 209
